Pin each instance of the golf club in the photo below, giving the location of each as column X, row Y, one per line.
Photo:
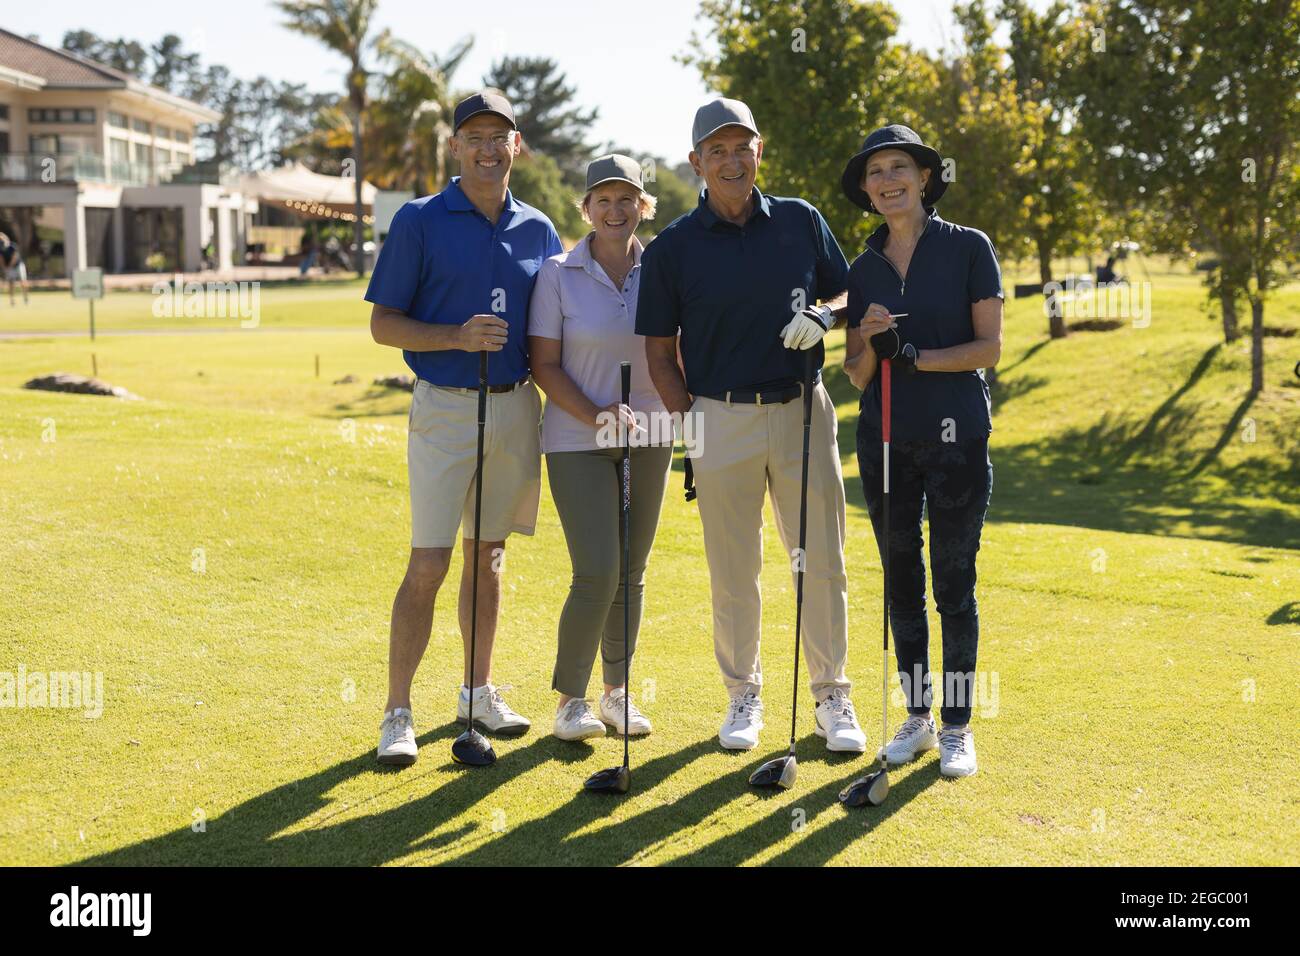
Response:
column 874, row 787
column 619, row 779
column 472, row 747
column 781, row 771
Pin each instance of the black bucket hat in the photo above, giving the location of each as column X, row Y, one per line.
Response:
column 894, row 136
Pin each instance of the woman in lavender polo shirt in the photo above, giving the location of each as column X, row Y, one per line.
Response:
column 581, row 326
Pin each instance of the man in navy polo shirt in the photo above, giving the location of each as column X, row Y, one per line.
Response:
column 739, row 278
column 454, row 279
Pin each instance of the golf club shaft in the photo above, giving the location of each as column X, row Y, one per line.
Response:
column 478, row 517
column 626, row 372
column 885, row 416
column 809, row 369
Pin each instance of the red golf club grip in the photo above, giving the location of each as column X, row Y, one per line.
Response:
column 884, row 399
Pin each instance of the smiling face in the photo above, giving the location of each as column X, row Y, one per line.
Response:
column 486, row 147
column 894, row 181
column 728, row 162
column 614, row 210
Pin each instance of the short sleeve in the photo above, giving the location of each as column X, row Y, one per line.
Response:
column 658, row 307
column 401, row 262
column 832, row 267
column 985, row 278
column 544, row 316
column 856, row 306
column 553, row 244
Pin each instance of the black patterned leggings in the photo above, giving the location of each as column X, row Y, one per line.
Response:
column 954, row 482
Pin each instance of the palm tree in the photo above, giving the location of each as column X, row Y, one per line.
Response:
column 343, row 26
column 412, row 120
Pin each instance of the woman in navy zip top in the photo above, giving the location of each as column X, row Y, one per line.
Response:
column 927, row 295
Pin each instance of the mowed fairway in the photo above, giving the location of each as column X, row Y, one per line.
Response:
column 225, row 551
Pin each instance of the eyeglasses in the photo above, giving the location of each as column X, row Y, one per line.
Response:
column 497, row 140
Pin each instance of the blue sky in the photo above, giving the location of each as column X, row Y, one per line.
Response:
column 619, row 55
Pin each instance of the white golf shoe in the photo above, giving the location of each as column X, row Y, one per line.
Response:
column 956, row 751
column 744, row 720
column 575, row 721
column 491, row 713
column 397, row 738
column 838, row 724
column 914, row 738
column 611, row 712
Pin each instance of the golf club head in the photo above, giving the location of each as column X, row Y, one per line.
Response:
column 613, row 780
column 473, row 749
column 871, row 789
column 778, row 772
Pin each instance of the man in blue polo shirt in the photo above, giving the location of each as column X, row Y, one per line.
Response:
column 454, row 279
column 739, row 279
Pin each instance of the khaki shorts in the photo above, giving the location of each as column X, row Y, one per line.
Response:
column 441, row 446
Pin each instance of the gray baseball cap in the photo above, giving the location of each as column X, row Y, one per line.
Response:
column 605, row 169
column 711, row 117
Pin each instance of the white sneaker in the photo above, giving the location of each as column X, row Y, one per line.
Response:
column 837, row 723
column 491, row 713
column 743, row 722
column 956, row 751
column 397, row 738
column 914, row 738
column 611, row 712
column 575, row 721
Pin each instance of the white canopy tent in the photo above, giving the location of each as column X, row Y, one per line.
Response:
column 297, row 188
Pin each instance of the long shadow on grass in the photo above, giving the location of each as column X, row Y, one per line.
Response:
column 820, row 845
column 555, row 838
column 247, row 834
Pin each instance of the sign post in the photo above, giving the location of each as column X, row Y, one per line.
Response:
column 88, row 284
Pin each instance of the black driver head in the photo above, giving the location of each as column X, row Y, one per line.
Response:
column 871, row 789
column 473, row 749
column 778, row 772
column 613, row 780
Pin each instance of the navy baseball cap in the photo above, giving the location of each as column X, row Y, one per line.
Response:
column 894, row 136
column 480, row 103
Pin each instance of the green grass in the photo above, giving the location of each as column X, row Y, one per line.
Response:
column 1124, row 730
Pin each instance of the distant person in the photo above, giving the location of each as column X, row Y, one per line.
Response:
column 453, row 280
column 946, row 281
column 309, row 259
column 15, row 270
column 581, row 327
column 1106, row 274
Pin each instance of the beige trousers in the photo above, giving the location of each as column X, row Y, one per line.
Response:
column 746, row 451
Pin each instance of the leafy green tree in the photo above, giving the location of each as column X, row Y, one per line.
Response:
column 1195, row 109
column 411, row 119
column 536, row 179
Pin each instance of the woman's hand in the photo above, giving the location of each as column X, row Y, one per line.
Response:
column 616, row 412
column 876, row 320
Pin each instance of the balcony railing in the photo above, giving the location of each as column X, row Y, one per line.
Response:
column 81, row 167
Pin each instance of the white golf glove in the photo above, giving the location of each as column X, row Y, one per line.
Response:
column 807, row 327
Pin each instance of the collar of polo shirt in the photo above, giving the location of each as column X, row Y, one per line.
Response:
column 579, row 257
column 709, row 218
column 457, row 201
column 877, row 239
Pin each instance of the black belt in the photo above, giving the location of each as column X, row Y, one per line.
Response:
column 748, row 396
column 493, row 389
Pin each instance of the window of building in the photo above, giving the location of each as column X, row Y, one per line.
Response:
column 64, row 114
column 4, row 111
column 119, row 151
column 180, row 135
column 139, row 125
column 141, row 153
column 117, row 119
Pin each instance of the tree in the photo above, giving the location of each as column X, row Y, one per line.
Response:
column 537, row 180
column 344, row 27
column 412, row 118
column 544, row 109
column 1195, row 106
